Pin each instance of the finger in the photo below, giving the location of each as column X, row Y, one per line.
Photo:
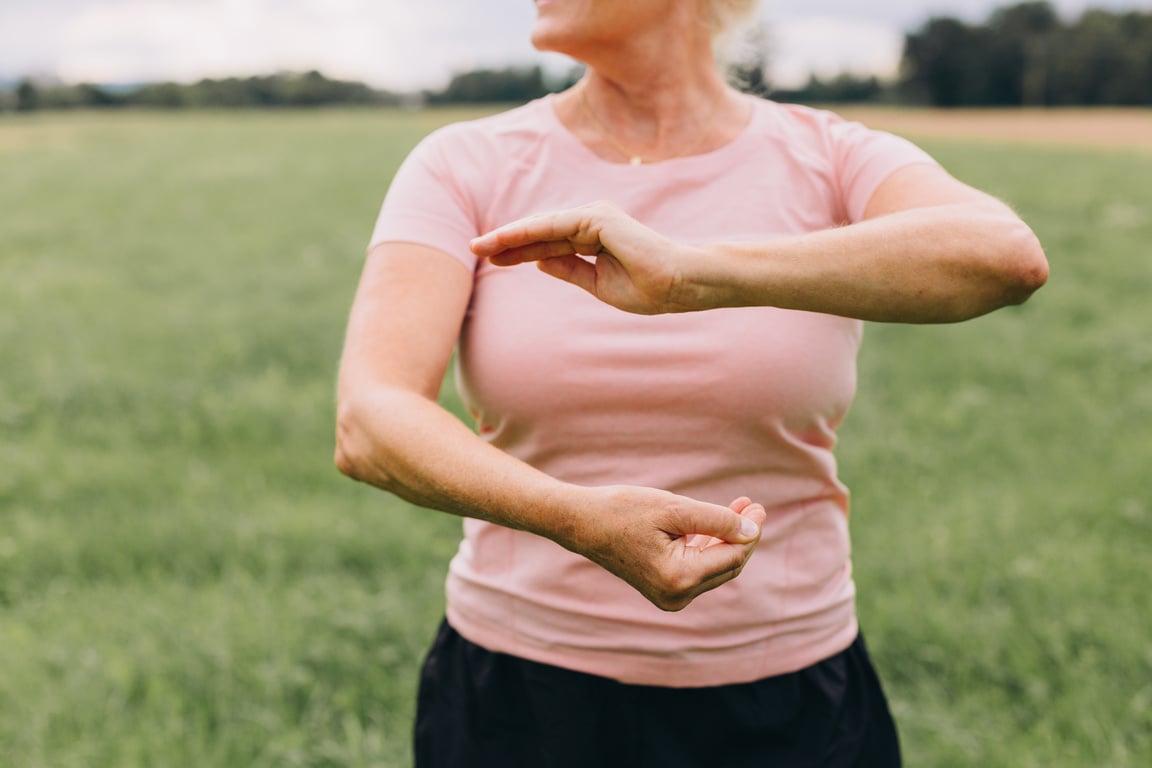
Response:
column 742, row 506
column 738, row 505
column 756, row 513
column 572, row 269
column 533, row 252
column 572, row 225
column 699, row 540
column 720, row 522
column 721, row 578
column 702, row 541
column 717, row 564
column 720, row 559
column 697, row 572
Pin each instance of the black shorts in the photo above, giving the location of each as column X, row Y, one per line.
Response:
column 479, row 709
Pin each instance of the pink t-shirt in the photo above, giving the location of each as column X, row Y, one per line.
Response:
column 713, row 405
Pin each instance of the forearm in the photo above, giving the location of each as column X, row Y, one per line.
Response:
column 403, row 443
column 392, row 434
column 936, row 264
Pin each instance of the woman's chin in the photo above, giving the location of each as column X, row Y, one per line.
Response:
column 545, row 39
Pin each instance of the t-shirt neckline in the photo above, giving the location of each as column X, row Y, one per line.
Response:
column 548, row 105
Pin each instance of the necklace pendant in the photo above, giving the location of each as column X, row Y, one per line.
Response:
column 635, row 160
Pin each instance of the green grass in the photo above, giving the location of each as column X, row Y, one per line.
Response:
column 186, row 581
column 1003, row 493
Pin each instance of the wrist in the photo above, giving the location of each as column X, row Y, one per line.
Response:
column 694, row 287
column 746, row 274
column 559, row 511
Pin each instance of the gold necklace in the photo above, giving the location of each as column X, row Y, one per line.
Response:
column 633, row 158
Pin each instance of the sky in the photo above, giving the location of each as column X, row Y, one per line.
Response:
column 408, row 44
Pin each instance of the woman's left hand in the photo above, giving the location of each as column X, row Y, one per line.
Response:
column 633, row 268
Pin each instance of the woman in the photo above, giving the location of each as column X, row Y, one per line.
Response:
column 655, row 569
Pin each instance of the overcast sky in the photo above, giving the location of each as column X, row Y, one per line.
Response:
column 405, row 44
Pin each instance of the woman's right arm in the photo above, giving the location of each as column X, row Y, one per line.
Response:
column 391, row 433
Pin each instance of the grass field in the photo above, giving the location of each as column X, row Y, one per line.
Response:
column 186, row 581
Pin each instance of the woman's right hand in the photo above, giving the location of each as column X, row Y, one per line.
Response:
column 670, row 548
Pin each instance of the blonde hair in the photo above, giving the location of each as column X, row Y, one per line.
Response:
column 726, row 15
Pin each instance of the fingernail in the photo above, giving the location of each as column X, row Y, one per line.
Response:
column 749, row 528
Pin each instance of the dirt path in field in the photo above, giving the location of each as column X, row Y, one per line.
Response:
column 1105, row 128
column 21, row 134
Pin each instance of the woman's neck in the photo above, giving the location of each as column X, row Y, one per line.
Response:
column 654, row 114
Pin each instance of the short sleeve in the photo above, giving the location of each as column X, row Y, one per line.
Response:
column 428, row 201
column 864, row 158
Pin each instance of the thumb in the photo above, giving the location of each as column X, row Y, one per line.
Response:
column 570, row 268
column 724, row 523
column 752, row 513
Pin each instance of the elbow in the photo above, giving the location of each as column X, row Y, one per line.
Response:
column 346, row 457
column 354, row 453
column 1027, row 266
column 1010, row 267
column 345, row 462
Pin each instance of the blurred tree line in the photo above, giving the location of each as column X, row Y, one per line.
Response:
column 307, row 89
column 1022, row 55
column 511, row 85
column 310, row 89
column 1026, row 55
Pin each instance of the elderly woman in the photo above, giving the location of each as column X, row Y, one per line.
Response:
column 655, row 565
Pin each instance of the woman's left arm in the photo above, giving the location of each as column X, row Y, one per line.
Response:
column 929, row 249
